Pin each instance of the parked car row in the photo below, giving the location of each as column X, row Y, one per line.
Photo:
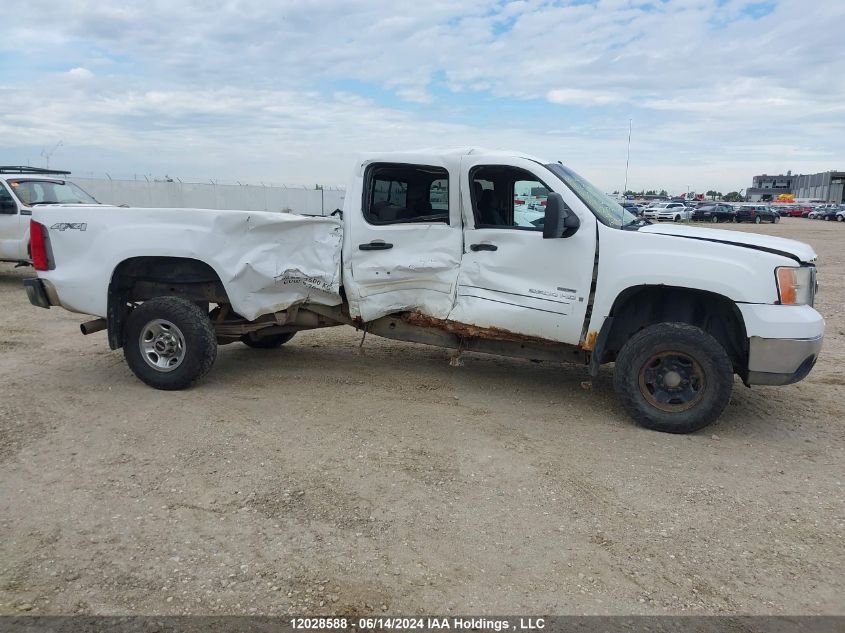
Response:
column 828, row 212
column 711, row 212
column 718, row 211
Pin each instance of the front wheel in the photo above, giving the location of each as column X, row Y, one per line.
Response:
column 758, row 220
column 673, row 377
column 776, row 219
column 714, row 219
column 169, row 342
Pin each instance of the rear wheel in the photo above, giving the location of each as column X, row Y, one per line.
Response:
column 266, row 342
column 714, row 219
column 757, row 219
column 169, row 342
column 776, row 219
column 673, row 377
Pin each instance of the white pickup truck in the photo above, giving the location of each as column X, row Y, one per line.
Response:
column 21, row 189
column 428, row 249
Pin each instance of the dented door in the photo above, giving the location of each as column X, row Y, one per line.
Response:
column 510, row 277
column 403, row 237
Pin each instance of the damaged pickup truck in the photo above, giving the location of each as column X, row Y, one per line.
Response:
column 474, row 250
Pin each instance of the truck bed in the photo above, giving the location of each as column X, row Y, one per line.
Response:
column 266, row 261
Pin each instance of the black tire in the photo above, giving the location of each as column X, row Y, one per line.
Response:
column 757, row 219
column 266, row 342
column 776, row 219
column 710, row 368
column 195, row 347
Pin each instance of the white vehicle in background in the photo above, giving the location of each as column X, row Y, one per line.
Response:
column 675, row 211
column 22, row 189
column 528, row 212
column 678, row 309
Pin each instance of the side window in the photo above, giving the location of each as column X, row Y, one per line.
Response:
column 508, row 197
column 398, row 193
column 438, row 194
column 7, row 203
column 391, row 191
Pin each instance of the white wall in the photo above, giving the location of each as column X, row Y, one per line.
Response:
column 157, row 193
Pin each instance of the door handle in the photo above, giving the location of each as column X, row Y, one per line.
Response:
column 483, row 247
column 375, row 245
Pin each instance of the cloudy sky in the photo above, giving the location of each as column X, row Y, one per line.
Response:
column 290, row 91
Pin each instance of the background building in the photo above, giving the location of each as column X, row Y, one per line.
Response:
column 765, row 187
column 828, row 186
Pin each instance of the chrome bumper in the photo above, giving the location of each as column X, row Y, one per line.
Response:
column 775, row 361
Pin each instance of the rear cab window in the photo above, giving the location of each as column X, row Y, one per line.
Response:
column 396, row 193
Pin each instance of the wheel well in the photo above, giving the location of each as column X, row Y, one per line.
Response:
column 641, row 306
column 143, row 278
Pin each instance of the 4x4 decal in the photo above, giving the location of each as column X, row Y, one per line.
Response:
column 73, row 226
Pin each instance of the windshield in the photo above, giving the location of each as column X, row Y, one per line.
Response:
column 607, row 210
column 33, row 192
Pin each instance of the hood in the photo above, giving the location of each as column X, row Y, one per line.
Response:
column 71, row 204
column 799, row 251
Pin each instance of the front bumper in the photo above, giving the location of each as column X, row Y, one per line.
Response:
column 777, row 361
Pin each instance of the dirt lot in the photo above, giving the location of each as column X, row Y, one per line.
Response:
column 314, row 479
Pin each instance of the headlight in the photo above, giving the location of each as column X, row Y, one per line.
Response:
column 796, row 286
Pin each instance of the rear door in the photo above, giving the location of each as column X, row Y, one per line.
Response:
column 403, row 239
column 511, row 278
column 12, row 228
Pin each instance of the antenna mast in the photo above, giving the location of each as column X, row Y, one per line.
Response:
column 47, row 155
column 627, row 161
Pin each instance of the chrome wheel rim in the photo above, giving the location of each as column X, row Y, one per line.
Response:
column 672, row 381
column 162, row 345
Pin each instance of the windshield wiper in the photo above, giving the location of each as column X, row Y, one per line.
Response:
column 636, row 223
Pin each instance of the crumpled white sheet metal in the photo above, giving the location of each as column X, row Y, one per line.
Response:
column 268, row 264
column 266, row 261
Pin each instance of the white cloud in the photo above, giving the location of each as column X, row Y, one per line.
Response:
column 80, row 73
column 577, row 96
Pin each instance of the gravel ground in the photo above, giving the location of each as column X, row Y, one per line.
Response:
column 317, row 479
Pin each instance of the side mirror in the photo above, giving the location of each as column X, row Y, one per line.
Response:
column 8, row 207
column 559, row 220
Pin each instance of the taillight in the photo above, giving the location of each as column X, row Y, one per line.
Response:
column 38, row 246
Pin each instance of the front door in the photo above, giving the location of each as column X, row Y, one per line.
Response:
column 11, row 233
column 510, row 277
column 403, row 243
